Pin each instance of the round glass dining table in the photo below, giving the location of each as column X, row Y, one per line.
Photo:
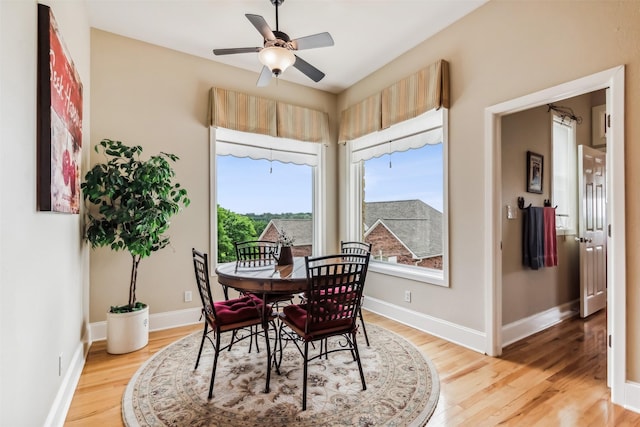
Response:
column 266, row 280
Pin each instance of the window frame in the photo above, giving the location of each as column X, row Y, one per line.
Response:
column 293, row 149
column 354, row 195
column 571, row 174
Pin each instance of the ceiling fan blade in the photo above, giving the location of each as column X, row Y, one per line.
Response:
column 312, row 42
column 307, row 69
column 261, row 25
column 265, row 77
column 236, row 50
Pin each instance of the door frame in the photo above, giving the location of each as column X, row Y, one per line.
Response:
column 613, row 79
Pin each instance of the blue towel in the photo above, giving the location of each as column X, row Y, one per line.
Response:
column 533, row 238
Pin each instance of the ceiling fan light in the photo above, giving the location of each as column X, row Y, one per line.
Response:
column 276, row 58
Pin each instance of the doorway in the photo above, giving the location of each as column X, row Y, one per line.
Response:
column 616, row 269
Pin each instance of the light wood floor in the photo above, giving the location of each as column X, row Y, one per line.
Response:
column 554, row 378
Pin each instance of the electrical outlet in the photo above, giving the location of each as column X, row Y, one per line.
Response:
column 407, row 296
column 187, row 296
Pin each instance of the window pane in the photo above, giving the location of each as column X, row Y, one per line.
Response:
column 564, row 185
column 258, row 198
column 403, row 205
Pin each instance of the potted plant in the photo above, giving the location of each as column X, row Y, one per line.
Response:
column 130, row 204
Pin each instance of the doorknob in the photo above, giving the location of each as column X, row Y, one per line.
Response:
column 583, row 240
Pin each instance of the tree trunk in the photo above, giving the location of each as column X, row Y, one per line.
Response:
column 134, row 278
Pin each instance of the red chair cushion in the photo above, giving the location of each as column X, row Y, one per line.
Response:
column 238, row 310
column 297, row 315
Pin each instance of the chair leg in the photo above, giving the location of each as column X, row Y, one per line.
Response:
column 254, row 337
column 204, row 336
column 364, row 329
column 233, row 340
column 304, row 381
column 276, row 331
column 279, row 341
column 215, row 365
column 265, row 326
column 355, row 349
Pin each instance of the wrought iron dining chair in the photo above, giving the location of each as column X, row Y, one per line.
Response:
column 334, row 293
column 230, row 315
column 260, row 253
column 359, row 248
column 253, row 253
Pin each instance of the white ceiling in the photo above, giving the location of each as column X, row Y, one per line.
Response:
column 367, row 33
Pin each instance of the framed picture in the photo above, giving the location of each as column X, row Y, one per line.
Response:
column 534, row 172
column 59, row 120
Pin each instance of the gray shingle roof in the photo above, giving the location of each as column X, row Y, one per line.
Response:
column 300, row 229
column 415, row 223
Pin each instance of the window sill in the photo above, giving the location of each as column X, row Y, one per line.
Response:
column 419, row 274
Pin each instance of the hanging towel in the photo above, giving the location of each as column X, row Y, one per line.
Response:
column 550, row 249
column 533, row 238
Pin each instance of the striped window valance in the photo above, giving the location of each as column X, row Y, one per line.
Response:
column 254, row 114
column 361, row 119
column 302, row 124
column 416, row 94
column 239, row 111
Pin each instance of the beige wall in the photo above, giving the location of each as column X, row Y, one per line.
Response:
column 526, row 292
column 501, row 51
column 158, row 98
column 44, row 281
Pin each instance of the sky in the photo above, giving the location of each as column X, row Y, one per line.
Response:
column 259, row 186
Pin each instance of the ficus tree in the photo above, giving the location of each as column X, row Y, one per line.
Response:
column 130, row 203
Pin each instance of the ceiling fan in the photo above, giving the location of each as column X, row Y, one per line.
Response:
column 277, row 52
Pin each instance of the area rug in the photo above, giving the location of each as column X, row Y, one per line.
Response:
column 402, row 387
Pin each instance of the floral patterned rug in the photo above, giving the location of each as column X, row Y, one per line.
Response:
column 402, row 387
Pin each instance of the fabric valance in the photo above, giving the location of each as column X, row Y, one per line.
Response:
column 410, row 97
column 361, row 119
column 239, row 111
column 254, row 114
column 416, row 94
column 302, row 124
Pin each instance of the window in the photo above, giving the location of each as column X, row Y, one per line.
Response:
column 564, row 185
column 261, row 185
column 397, row 197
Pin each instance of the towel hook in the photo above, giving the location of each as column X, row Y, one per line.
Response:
column 521, row 203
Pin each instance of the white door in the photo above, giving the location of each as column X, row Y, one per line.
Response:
column 592, row 234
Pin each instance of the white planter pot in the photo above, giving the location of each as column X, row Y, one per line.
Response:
column 127, row 332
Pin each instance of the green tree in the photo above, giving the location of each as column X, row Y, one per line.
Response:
column 232, row 227
column 260, row 225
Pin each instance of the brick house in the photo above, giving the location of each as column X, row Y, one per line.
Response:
column 300, row 229
column 404, row 231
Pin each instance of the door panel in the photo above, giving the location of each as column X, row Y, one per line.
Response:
column 592, row 234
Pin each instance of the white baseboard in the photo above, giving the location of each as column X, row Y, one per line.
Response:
column 632, row 396
column 523, row 328
column 157, row 322
column 62, row 402
column 461, row 335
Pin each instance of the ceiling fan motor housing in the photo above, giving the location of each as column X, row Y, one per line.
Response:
column 281, row 40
